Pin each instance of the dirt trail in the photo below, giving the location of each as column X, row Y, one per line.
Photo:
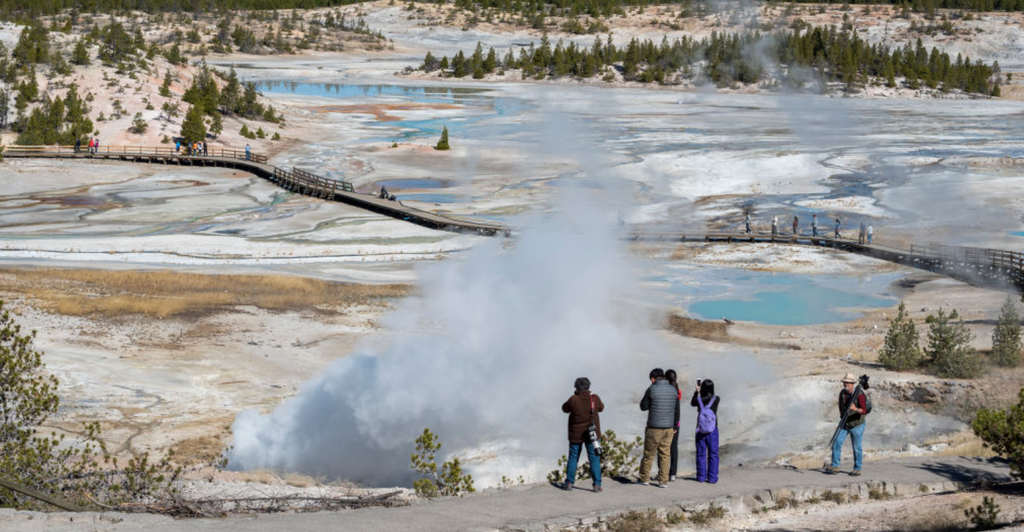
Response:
column 740, row 491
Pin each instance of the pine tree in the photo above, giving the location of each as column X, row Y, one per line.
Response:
column 216, row 125
column 1003, row 431
column 1006, row 342
column 901, row 350
column 81, row 55
column 193, row 128
column 443, row 143
column 165, row 87
column 949, row 347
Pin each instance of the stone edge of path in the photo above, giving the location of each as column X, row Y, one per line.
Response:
column 745, row 503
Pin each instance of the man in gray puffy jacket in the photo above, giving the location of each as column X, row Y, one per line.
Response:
column 659, row 402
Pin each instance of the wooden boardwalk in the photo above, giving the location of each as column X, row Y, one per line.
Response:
column 295, row 180
column 978, row 266
column 992, row 268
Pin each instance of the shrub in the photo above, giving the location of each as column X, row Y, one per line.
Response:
column 620, row 458
column 706, row 516
column 1006, row 343
column 984, row 516
column 139, row 126
column 1003, row 431
column 447, row 480
column 901, row 350
column 636, row 521
column 949, row 347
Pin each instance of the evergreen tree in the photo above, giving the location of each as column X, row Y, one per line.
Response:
column 80, row 56
column 443, row 143
column 193, row 128
column 165, row 87
column 1006, row 342
column 901, row 350
column 1003, row 431
column 216, row 124
column 203, row 92
column 949, row 347
column 231, row 93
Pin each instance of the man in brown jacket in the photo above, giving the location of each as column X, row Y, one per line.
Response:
column 583, row 409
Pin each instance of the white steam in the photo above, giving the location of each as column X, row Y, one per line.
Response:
column 484, row 358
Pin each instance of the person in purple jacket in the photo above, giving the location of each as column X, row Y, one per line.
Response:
column 706, row 401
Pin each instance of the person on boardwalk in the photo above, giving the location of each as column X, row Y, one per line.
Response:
column 177, row 147
column 814, row 225
column 658, row 402
column 775, row 224
column 673, row 467
column 707, row 402
column 584, row 409
column 92, row 142
column 206, row 148
column 837, row 227
column 746, row 222
column 862, row 234
column 247, row 156
column 871, row 233
column 796, row 225
column 78, row 144
column 854, row 426
column 96, row 146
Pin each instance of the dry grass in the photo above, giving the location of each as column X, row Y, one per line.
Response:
column 963, row 443
column 164, row 294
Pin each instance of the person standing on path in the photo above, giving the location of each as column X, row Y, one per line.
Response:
column 584, row 410
column 247, row 152
column 78, row 144
column 796, row 225
column 871, row 233
column 854, row 426
column 673, row 467
column 707, row 402
column 658, row 402
column 837, row 227
column 747, row 222
column 92, row 142
column 775, row 224
column 814, row 225
column 862, row 235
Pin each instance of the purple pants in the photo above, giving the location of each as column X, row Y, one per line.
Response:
column 707, row 457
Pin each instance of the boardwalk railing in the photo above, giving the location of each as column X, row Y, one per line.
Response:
column 161, row 151
column 296, row 180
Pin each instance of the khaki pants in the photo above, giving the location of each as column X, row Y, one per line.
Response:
column 656, row 441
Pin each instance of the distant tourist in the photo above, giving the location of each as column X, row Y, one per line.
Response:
column 659, row 402
column 871, row 232
column 584, row 410
column 673, row 467
column 707, row 402
column 199, row 148
column 246, row 152
column 177, row 147
column 96, row 146
column 92, row 143
column 747, row 222
column 814, row 225
column 78, row 144
column 837, row 227
column 383, row 193
column 796, row 224
column 206, row 148
column 854, row 426
column 775, row 225
column 862, row 235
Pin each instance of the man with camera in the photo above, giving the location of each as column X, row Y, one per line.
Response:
column 584, row 410
column 853, row 406
column 660, row 402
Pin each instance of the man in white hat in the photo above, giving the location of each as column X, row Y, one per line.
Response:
column 854, row 426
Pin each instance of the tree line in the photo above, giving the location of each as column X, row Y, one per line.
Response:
column 796, row 58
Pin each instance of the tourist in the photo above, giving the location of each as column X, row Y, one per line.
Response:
column 814, row 225
column 584, row 410
column 837, row 227
column 658, row 402
column 862, row 234
column 206, row 148
column 854, row 426
column 383, row 193
column 78, row 144
column 177, row 147
column 199, row 147
column 775, row 225
column 707, row 402
column 247, row 152
column 96, row 146
column 796, row 225
column 92, row 142
column 871, row 233
column 673, row 467
column 747, row 222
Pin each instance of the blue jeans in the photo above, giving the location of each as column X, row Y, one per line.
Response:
column 857, row 435
column 707, row 456
column 869, row 237
column 574, row 458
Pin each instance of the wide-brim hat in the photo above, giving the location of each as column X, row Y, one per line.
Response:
column 849, row 378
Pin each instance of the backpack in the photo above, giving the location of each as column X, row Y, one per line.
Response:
column 707, row 421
